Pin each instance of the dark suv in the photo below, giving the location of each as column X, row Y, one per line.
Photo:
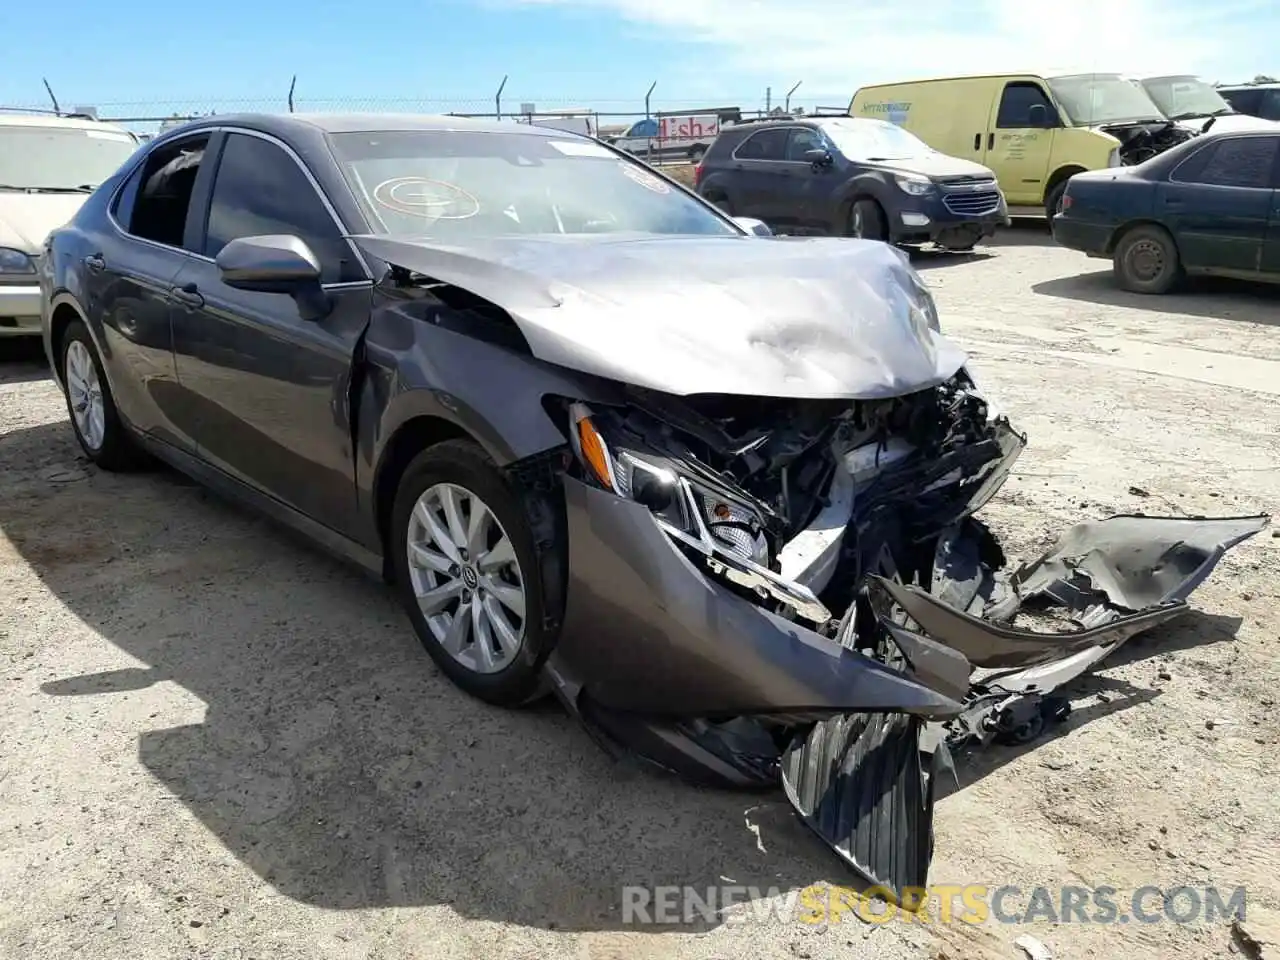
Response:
column 853, row 177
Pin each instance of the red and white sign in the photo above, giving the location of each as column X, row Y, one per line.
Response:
column 701, row 128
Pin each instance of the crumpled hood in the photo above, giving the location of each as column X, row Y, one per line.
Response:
column 27, row 218
column 781, row 317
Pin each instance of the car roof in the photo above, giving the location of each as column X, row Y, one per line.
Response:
column 282, row 124
column 1247, row 86
column 54, row 120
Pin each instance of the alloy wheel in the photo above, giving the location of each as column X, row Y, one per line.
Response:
column 85, row 393
column 466, row 578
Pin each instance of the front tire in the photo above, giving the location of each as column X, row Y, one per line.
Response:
column 1146, row 261
column 468, row 573
column 91, row 407
column 1053, row 202
column 866, row 221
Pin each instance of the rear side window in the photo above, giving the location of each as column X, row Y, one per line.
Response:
column 1016, row 103
column 1237, row 162
column 1270, row 105
column 156, row 200
column 259, row 190
column 764, row 145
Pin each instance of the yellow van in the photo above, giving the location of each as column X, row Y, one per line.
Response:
column 1034, row 131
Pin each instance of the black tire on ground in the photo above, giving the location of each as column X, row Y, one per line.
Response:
column 117, row 451
column 466, row 465
column 1146, row 260
column 1053, row 200
column 697, row 153
column 866, row 221
column 721, row 201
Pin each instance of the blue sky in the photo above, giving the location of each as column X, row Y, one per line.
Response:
column 143, row 57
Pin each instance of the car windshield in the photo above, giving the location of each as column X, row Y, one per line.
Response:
column 1184, row 98
column 474, row 185
column 1094, row 98
column 860, row 139
column 60, row 158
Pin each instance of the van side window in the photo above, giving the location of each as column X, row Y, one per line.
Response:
column 1016, row 103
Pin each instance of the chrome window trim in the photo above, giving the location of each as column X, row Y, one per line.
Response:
column 293, row 155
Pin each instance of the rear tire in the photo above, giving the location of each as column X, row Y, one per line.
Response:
column 91, row 407
column 1146, row 260
column 866, row 221
column 720, row 200
column 489, row 575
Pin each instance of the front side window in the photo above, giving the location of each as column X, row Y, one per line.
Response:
column 803, row 140
column 60, row 159
column 456, row 185
column 260, row 190
column 1015, row 111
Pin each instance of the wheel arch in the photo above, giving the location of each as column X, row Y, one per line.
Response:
column 1058, row 176
column 1114, row 240
column 64, row 311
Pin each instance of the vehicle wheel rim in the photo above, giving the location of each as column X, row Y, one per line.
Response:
column 1146, row 260
column 85, row 393
column 855, row 223
column 466, row 578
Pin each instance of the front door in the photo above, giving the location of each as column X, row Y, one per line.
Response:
column 272, row 389
column 1019, row 141
column 813, row 188
column 762, row 171
column 1218, row 204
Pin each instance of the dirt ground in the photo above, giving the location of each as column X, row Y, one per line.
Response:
column 215, row 742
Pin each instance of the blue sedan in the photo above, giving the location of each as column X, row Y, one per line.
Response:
column 1210, row 206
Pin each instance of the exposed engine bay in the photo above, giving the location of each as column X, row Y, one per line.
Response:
column 1142, row 141
column 856, row 521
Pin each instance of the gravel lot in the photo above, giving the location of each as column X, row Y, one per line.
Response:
column 215, row 742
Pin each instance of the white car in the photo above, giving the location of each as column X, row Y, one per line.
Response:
column 48, row 167
column 1197, row 107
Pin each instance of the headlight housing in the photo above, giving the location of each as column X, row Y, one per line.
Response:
column 913, row 184
column 727, row 531
column 16, row 262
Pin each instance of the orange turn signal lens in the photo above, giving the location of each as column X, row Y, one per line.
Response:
column 594, row 452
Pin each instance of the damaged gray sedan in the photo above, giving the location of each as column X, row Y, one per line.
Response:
column 714, row 490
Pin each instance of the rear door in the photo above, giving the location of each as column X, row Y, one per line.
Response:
column 271, row 389
column 1218, row 204
column 760, row 164
column 1019, row 141
column 129, row 284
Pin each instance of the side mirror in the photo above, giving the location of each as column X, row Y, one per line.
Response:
column 1038, row 116
column 277, row 263
column 818, row 157
column 757, row 228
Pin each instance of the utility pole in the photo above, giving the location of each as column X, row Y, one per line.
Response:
column 768, row 100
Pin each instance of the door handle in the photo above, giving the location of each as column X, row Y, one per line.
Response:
column 189, row 294
column 991, row 141
column 95, row 262
column 977, row 141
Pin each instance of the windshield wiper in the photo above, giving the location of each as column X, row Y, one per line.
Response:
column 14, row 187
column 1191, row 115
column 1223, row 112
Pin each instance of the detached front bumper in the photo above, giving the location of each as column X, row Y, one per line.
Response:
column 648, row 633
column 19, row 310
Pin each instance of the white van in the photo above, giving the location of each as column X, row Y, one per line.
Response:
column 48, row 165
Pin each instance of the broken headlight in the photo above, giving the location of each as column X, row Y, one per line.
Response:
column 728, row 532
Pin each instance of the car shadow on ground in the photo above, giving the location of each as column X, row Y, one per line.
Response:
column 22, row 360
column 332, row 759
column 1207, row 297
column 1021, row 233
